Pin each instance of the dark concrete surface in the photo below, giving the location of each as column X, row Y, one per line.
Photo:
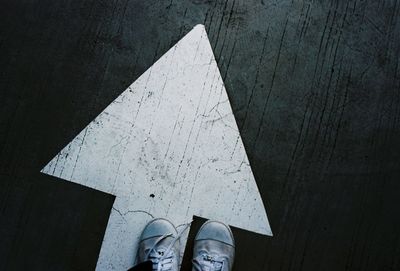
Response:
column 314, row 86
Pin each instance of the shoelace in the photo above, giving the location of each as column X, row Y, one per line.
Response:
column 206, row 262
column 162, row 259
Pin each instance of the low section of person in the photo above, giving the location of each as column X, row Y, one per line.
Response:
column 159, row 247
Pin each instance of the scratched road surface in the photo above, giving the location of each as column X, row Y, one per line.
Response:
column 314, row 88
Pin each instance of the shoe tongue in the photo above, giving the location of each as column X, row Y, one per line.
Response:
column 159, row 252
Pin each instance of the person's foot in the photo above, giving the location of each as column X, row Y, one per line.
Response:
column 159, row 243
column 214, row 248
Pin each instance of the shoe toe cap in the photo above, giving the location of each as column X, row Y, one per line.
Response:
column 158, row 227
column 213, row 230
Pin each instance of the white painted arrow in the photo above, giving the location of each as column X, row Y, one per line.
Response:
column 168, row 146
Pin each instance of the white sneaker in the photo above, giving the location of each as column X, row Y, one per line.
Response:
column 159, row 243
column 214, row 248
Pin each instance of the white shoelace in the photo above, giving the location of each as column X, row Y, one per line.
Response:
column 206, row 262
column 163, row 258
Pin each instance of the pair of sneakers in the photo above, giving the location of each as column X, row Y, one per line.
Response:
column 214, row 246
